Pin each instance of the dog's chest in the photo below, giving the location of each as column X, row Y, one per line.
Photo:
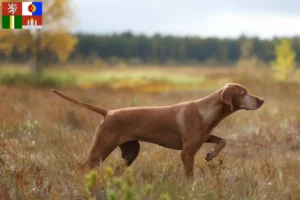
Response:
column 210, row 117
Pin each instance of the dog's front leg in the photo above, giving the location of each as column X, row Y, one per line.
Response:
column 188, row 163
column 188, row 153
column 215, row 151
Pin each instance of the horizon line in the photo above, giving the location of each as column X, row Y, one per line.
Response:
column 249, row 36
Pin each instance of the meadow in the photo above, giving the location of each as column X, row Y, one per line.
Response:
column 43, row 138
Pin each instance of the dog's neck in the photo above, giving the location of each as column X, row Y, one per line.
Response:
column 214, row 107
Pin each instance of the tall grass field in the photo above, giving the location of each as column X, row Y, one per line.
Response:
column 44, row 138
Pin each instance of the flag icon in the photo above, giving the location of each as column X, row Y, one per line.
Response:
column 11, row 8
column 32, row 22
column 32, row 8
column 22, row 15
column 12, row 22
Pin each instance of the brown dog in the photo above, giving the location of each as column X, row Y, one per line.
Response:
column 184, row 126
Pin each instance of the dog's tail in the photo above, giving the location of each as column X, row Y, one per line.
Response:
column 81, row 103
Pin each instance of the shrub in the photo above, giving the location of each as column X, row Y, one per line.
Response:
column 285, row 60
column 117, row 188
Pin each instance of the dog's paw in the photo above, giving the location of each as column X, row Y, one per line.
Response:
column 210, row 155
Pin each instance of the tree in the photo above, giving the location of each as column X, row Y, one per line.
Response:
column 285, row 59
column 53, row 39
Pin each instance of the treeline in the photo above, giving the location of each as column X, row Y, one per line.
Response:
column 158, row 49
column 170, row 49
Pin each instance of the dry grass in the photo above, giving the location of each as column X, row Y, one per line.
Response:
column 43, row 138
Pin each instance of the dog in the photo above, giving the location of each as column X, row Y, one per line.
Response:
column 184, row 126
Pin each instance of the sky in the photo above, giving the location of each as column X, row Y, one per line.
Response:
column 209, row 18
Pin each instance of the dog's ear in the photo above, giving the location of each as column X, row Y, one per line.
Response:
column 227, row 96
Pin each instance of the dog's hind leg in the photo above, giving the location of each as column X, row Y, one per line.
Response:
column 104, row 143
column 130, row 150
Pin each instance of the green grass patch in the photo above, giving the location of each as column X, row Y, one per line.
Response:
column 139, row 79
column 25, row 79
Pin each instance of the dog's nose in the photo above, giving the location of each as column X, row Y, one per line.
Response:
column 261, row 100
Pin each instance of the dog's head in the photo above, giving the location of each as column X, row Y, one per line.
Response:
column 238, row 97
